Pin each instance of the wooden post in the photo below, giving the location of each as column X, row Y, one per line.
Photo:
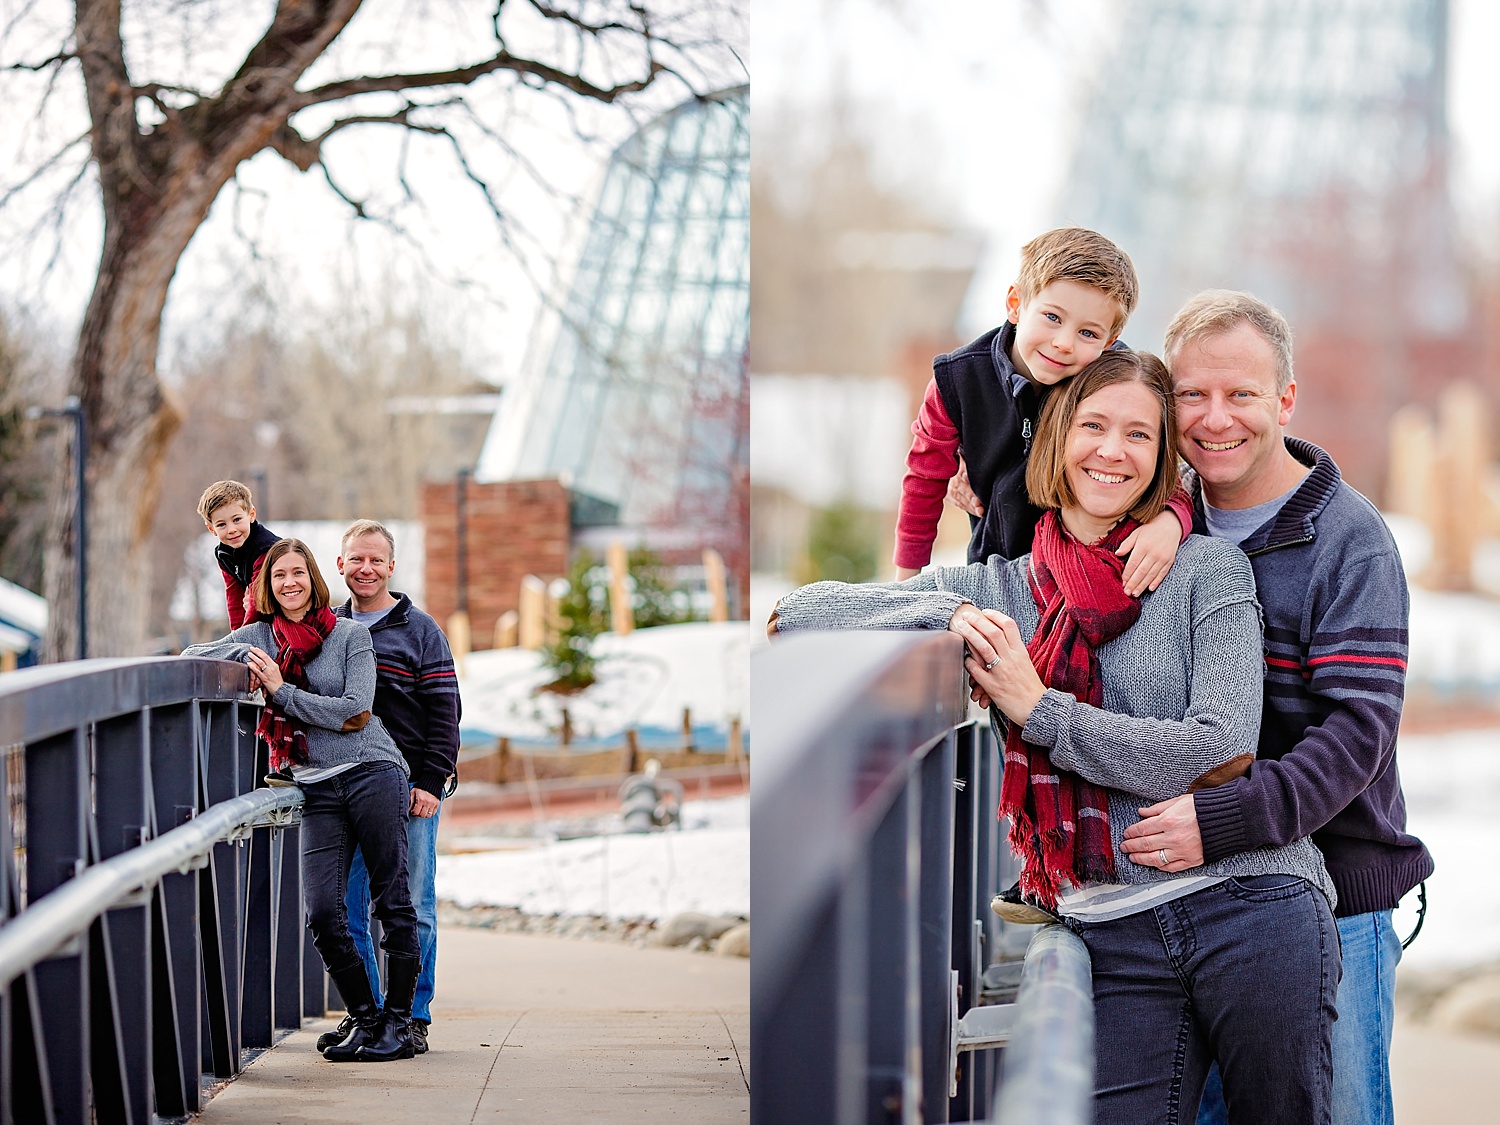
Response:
column 735, row 750
column 687, row 728
column 621, row 611
column 507, row 629
column 632, row 751
column 566, row 734
column 502, row 771
column 458, row 637
column 532, row 628
column 718, row 589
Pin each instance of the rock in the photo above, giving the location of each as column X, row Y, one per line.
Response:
column 1473, row 1006
column 681, row 929
column 735, row 942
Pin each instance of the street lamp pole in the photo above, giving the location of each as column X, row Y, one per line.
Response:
column 73, row 408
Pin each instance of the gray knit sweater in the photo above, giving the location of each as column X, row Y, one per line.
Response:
column 341, row 684
column 1182, row 686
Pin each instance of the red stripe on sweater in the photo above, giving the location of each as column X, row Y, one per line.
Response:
column 1343, row 658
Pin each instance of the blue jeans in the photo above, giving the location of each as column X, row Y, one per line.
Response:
column 421, row 859
column 1362, row 1035
column 1245, row 971
column 364, row 808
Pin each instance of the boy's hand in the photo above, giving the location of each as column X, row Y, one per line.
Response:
column 1151, row 548
column 961, row 494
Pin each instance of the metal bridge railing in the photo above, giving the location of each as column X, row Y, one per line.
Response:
column 881, row 978
column 151, row 926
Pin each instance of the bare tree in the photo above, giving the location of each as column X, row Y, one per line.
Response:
column 161, row 151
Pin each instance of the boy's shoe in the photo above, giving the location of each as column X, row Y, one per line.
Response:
column 337, row 1035
column 280, row 779
column 1013, row 907
column 419, row 1035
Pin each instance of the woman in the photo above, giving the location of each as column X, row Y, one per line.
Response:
column 1114, row 703
column 318, row 675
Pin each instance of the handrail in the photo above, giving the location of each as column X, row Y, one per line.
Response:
column 151, row 923
column 1049, row 1064
column 66, row 913
column 875, row 851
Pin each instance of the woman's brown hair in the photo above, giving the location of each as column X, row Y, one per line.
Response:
column 1046, row 475
column 265, row 601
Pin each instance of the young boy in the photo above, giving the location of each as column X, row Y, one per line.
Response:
column 1070, row 300
column 228, row 512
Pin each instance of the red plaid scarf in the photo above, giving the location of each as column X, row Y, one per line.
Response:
column 297, row 644
column 1060, row 822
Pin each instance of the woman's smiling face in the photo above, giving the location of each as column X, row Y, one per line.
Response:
column 291, row 585
column 1113, row 443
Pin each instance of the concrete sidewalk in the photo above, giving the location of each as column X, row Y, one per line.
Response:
column 1440, row 1077
column 532, row 1029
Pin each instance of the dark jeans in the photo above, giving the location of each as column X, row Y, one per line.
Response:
column 364, row 807
column 1246, row 971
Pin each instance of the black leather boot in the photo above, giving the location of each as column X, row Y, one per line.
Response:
column 359, row 1000
column 394, row 1038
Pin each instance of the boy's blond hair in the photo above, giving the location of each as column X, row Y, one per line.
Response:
column 222, row 492
column 367, row 527
column 1084, row 256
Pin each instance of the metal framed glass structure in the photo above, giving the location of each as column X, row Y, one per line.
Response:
column 642, row 401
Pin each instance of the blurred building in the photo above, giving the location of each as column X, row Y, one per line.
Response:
column 631, row 420
column 855, row 289
column 1301, row 152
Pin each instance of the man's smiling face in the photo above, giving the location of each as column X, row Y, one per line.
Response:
column 1230, row 415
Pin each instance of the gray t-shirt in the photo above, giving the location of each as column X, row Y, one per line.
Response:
column 1238, row 524
column 368, row 619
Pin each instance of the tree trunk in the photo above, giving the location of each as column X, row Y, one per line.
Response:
column 130, row 421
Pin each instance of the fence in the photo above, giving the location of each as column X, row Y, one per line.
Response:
column 150, row 903
column 881, row 977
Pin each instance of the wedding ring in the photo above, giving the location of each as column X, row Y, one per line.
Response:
column 991, row 664
column 1161, row 854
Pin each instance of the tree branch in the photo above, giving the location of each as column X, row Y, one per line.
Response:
column 46, row 64
column 464, row 76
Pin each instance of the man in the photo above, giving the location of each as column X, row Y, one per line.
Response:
column 1335, row 602
column 416, row 698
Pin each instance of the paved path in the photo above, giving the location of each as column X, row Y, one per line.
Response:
column 1440, row 1078
column 532, row 1029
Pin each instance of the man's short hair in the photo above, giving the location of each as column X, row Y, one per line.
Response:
column 1217, row 311
column 1084, row 256
column 367, row 527
column 265, row 598
column 222, row 492
column 1046, row 468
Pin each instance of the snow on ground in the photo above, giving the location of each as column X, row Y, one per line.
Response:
column 704, row 867
column 646, row 679
column 1452, row 785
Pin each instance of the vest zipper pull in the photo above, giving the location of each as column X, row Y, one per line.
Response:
column 1026, row 434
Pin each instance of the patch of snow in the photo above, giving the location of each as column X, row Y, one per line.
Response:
column 1452, row 786
column 704, row 867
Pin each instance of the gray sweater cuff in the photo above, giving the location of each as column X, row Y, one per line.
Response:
column 1220, row 825
column 1048, row 720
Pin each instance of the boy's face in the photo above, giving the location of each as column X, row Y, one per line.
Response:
column 230, row 523
column 1061, row 330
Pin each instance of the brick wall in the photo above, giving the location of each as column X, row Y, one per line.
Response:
column 515, row 528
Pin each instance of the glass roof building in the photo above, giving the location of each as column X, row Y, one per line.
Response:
column 640, row 404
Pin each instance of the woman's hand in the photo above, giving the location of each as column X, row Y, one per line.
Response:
column 998, row 663
column 264, row 671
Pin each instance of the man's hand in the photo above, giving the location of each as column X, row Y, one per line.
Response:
column 1152, row 547
column 1169, row 827
column 423, row 803
column 961, row 493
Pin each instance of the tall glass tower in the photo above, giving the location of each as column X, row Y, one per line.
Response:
column 641, row 403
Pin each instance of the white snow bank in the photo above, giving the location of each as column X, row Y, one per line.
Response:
column 654, row 875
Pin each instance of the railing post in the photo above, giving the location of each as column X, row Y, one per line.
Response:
column 893, row 1009
column 935, row 915
column 221, row 893
column 57, row 808
column 177, row 982
column 258, row 1016
column 122, row 949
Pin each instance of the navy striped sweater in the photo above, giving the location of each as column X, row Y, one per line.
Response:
column 416, row 691
column 1334, row 596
